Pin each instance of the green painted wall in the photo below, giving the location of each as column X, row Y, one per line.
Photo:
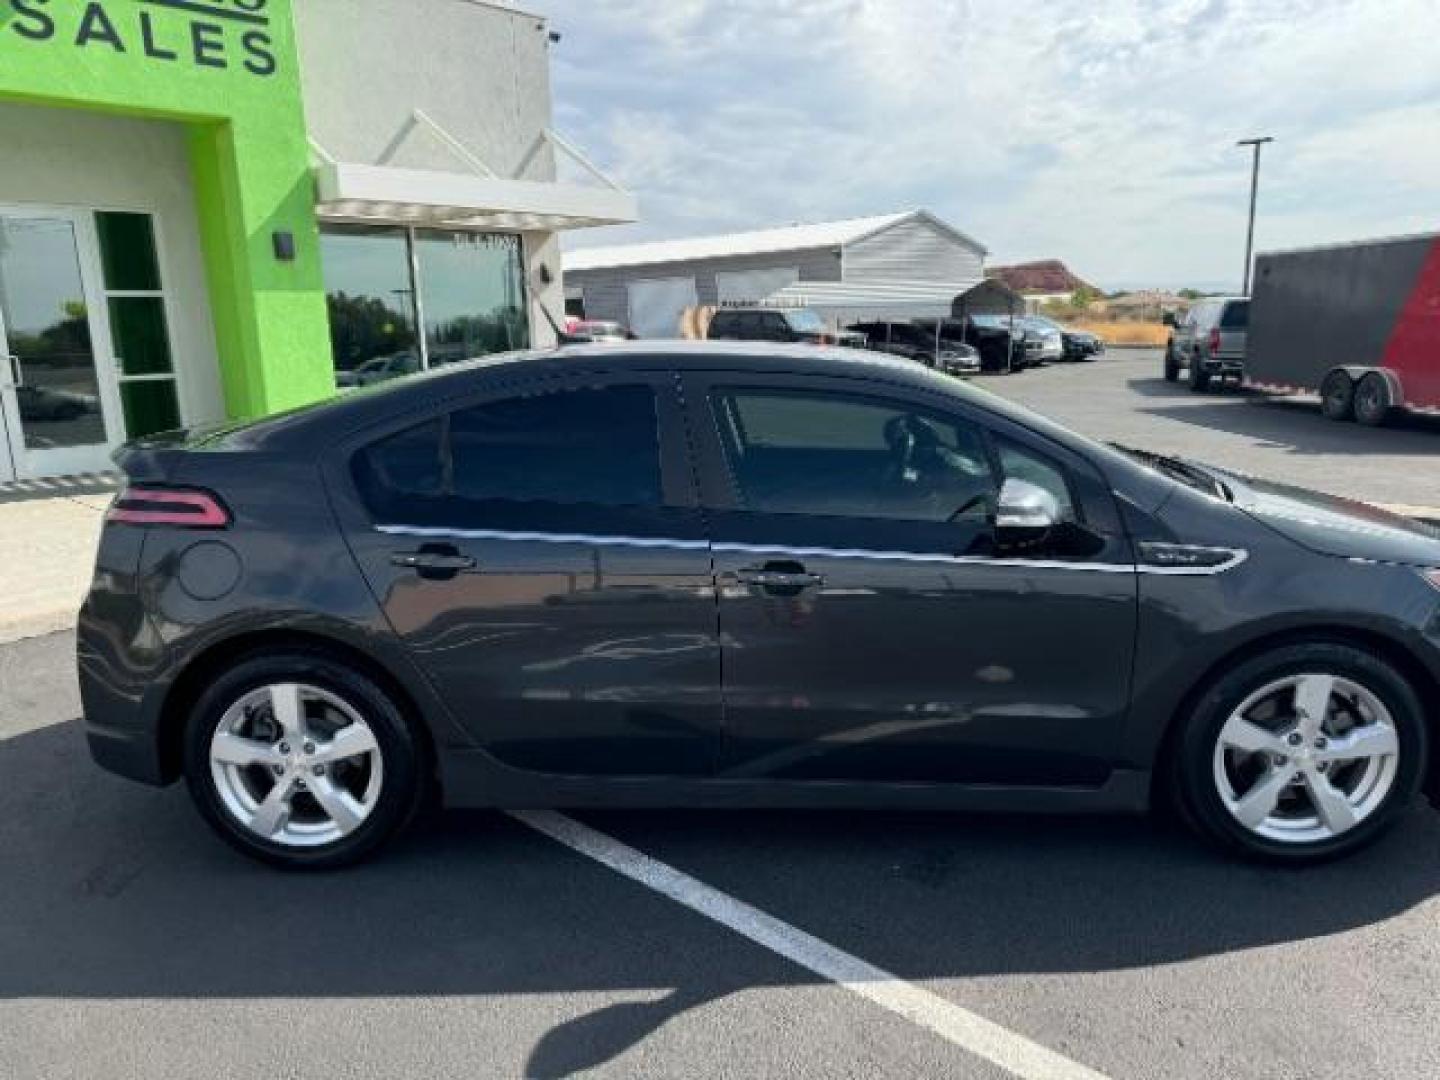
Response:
column 229, row 71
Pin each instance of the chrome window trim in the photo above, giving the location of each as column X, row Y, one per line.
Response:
column 667, row 543
column 426, row 532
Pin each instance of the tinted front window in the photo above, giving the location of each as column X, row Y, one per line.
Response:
column 1237, row 316
column 838, row 455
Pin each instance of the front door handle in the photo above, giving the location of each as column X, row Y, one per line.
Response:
column 434, row 561
column 779, row 578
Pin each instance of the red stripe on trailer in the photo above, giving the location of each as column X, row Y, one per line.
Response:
column 1413, row 351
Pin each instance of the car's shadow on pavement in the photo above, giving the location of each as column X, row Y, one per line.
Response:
column 1290, row 424
column 115, row 892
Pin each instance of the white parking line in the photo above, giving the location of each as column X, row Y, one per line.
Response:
column 983, row 1038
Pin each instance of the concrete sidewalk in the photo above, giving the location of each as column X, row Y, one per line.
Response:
column 47, row 552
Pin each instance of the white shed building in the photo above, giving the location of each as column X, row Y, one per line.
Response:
column 896, row 265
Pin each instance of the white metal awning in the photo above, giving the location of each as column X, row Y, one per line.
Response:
column 898, row 299
column 479, row 198
column 380, row 193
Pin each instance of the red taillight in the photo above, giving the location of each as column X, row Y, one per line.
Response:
column 1214, row 341
column 187, row 508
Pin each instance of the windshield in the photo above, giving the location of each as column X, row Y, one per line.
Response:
column 807, row 322
column 1236, row 316
column 1035, row 322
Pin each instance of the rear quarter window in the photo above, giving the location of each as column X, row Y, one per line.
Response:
column 594, row 446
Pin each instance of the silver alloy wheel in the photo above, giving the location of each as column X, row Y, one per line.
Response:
column 1306, row 758
column 296, row 765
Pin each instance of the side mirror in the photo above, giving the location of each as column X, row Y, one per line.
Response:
column 1026, row 506
column 1169, row 318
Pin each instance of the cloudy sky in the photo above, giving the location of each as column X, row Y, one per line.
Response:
column 1097, row 131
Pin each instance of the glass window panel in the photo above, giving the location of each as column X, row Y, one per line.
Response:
column 832, row 455
column 141, row 341
column 574, row 446
column 472, row 291
column 127, row 252
column 47, row 326
column 149, row 407
column 371, row 301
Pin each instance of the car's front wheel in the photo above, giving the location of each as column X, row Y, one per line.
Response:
column 297, row 759
column 1301, row 754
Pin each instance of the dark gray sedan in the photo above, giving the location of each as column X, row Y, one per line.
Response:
column 744, row 574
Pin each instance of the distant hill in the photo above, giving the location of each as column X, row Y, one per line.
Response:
column 1049, row 276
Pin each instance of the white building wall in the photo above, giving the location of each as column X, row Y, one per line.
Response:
column 480, row 71
column 63, row 157
column 914, row 250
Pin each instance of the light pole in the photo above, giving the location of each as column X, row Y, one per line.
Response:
column 1255, row 144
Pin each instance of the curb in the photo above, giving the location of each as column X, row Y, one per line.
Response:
column 42, row 624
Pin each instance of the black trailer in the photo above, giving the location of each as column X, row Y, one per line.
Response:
column 1359, row 324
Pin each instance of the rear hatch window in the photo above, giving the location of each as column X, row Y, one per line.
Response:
column 1236, row 316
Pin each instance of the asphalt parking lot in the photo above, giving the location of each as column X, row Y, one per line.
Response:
column 1124, row 397
column 132, row 944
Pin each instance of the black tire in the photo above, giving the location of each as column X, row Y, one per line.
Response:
column 1172, row 365
column 1372, row 400
column 1199, row 377
column 1337, row 396
column 1194, row 786
column 402, row 789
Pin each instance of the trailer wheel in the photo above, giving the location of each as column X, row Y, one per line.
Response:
column 1337, row 396
column 1372, row 400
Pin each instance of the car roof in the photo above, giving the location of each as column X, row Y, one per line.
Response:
column 337, row 416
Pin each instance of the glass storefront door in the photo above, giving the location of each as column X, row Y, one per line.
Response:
column 57, row 408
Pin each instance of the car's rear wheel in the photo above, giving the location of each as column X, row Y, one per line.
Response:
column 297, row 759
column 1337, row 396
column 1301, row 754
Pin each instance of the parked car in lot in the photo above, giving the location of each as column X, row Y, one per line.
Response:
column 796, row 325
column 1209, row 341
column 1074, row 344
column 762, row 575
column 1003, row 344
column 923, row 346
column 1052, row 341
column 598, row 330
column 378, row 369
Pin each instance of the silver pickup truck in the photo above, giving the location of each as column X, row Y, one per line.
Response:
column 1209, row 340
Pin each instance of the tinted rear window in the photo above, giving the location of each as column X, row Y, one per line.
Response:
column 1236, row 316
column 572, row 446
column 586, row 446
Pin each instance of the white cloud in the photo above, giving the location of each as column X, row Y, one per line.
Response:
column 1100, row 132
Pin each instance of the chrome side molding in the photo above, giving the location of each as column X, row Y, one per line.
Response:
column 1175, row 560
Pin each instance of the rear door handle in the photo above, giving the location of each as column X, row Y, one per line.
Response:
column 438, row 561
